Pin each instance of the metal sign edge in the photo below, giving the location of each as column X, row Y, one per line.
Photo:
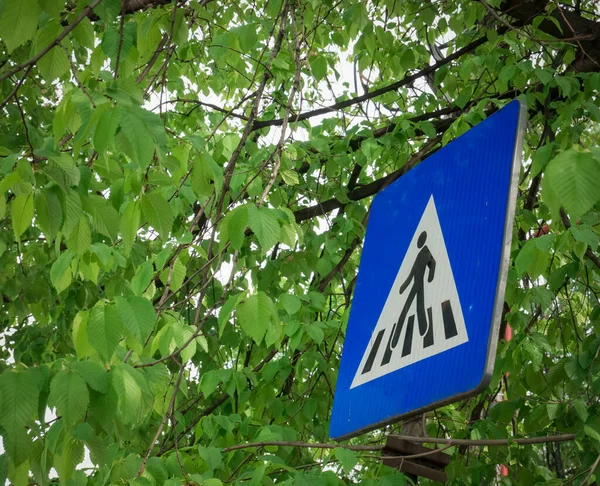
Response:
column 500, row 291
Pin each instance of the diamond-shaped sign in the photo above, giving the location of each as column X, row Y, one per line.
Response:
column 423, row 327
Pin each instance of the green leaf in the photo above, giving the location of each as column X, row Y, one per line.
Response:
column 290, row 303
column 177, row 275
column 265, row 225
column 84, row 432
column 142, row 278
column 63, row 171
column 49, row 213
column 22, row 213
column 105, row 218
column 532, row 260
column 138, row 316
column 18, row 22
column 346, row 457
column 318, row 66
column 246, row 35
column 130, row 223
column 80, row 237
column 581, row 408
column 19, row 403
column 571, row 180
column 60, row 273
column 209, row 382
column 157, row 211
column 226, row 311
column 69, row 394
column 206, row 175
column 104, row 329
column 212, row 457
column 256, row 315
column 55, row 62
column 108, row 123
column 564, row 85
column 137, row 141
column 132, row 389
column 73, row 211
column 592, row 428
column 94, row 374
column 233, row 226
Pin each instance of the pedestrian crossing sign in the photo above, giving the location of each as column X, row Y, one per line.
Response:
column 425, row 316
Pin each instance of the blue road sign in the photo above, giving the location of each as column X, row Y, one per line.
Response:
column 424, row 322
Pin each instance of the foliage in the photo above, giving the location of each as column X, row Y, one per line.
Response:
column 184, row 189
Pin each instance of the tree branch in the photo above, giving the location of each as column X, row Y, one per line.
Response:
column 368, row 189
column 377, row 92
column 421, row 440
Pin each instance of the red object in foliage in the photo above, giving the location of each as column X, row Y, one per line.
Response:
column 508, row 334
column 544, row 230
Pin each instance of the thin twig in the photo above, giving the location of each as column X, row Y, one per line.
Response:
column 16, row 88
column 592, row 469
column 421, row 440
column 120, row 46
column 170, row 410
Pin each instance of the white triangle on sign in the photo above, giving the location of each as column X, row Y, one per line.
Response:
column 422, row 315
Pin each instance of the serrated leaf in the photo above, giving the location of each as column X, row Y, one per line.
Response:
column 80, row 237
column 157, row 211
column 63, row 171
column 290, row 177
column 104, row 329
column 233, row 226
column 22, row 213
column 318, row 66
column 207, row 176
column 201, row 340
column 106, row 128
column 142, row 278
column 177, row 275
column 138, row 316
column 130, row 223
column 571, row 180
column 84, row 432
column 132, row 389
column 592, row 428
column 581, row 408
column 265, row 225
column 532, row 260
column 211, row 457
column 209, row 382
column 140, row 144
column 226, row 311
column 182, row 335
column 49, row 213
column 19, row 403
column 290, row 303
column 256, row 315
column 105, row 218
column 93, row 374
column 346, row 457
column 73, row 211
column 54, row 64
column 60, row 273
column 70, row 396
column 18, row 22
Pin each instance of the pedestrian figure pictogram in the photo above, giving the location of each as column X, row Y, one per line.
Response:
column 416, row 277
column 422, row 316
